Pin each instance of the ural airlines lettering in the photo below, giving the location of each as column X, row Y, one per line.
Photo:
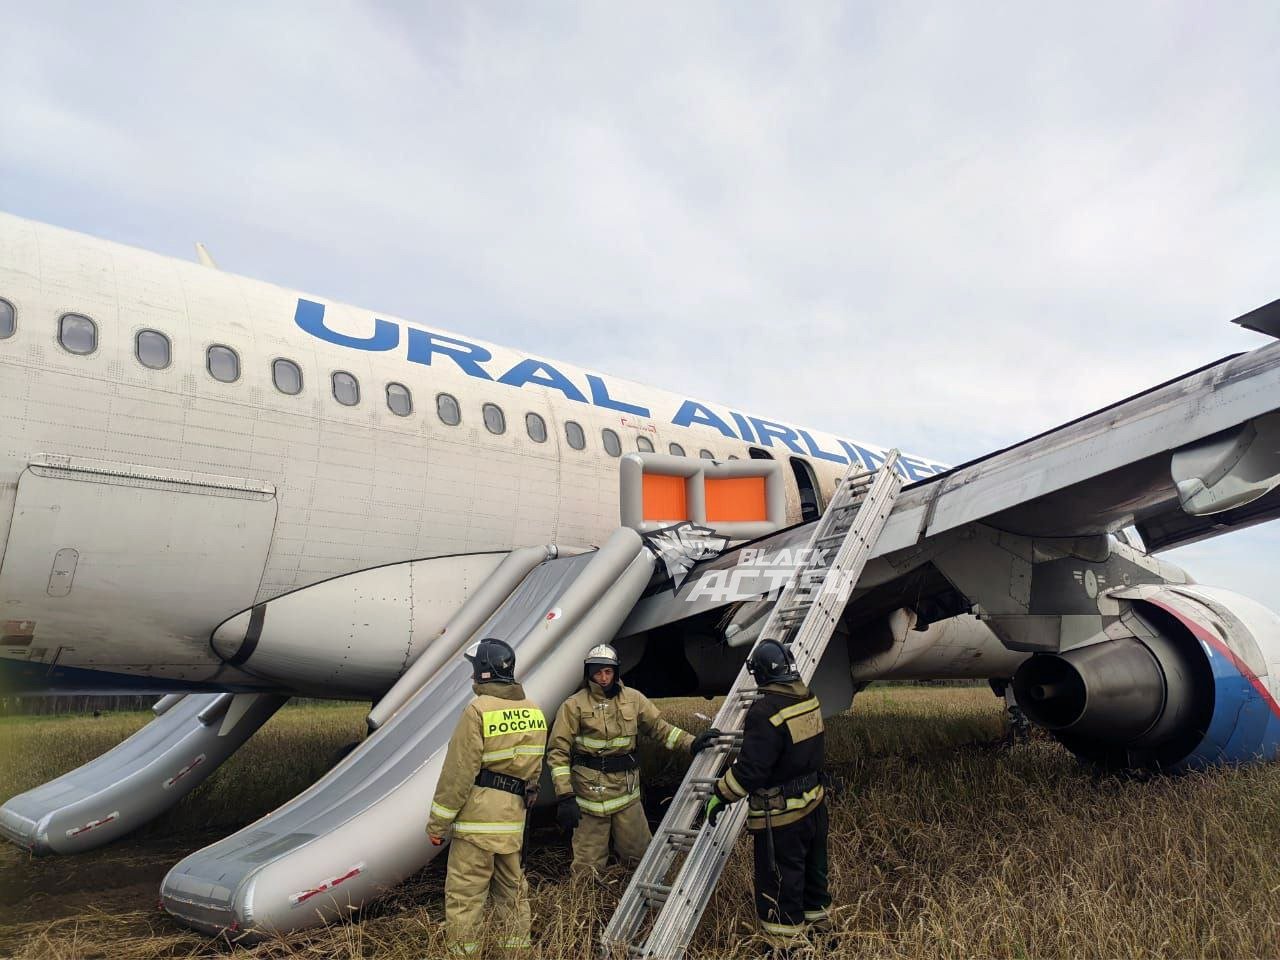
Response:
column 425, row 347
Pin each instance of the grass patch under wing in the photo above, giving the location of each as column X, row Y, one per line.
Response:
column 943, row 844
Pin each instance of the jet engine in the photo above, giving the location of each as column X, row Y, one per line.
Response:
column 1182, row 677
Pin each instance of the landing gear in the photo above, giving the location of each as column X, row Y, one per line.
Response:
column 1018, row 726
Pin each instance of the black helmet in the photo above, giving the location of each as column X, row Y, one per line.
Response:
column 771, row 662
column 492, row 661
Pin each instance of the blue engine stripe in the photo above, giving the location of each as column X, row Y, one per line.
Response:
column 1245, row 725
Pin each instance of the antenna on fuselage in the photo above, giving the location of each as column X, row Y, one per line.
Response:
column 202, row 254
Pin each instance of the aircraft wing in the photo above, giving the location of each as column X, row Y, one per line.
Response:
column 1181, row 461
column 1188, row 459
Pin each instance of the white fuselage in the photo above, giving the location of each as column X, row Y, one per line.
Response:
column 140, row 507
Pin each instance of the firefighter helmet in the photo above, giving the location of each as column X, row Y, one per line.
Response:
column 492, row 661
column 601, row 655
column 772, row 662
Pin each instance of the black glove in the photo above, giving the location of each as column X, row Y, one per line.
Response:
column 568, row 815
column 703, row 740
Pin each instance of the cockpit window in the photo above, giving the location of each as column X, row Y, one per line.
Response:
column 77, row 334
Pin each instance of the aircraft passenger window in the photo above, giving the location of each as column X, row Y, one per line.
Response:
column 758, row 454
column 706, row 455
column 7, row 325
column 151, row 347
column 733, row 456
column 77, row 334
column 644, row 444
column 399, row 399
column 448, row 410
column 346, row 389
column 574, row 434
column 495, row 421
column 287, row 376
column 612, row 445
column 536, row 426
column 223, row 364
column 676, row 450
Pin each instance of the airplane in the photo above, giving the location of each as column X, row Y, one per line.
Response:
column 228, row 493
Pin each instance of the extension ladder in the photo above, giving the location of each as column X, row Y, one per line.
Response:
column 805, row 615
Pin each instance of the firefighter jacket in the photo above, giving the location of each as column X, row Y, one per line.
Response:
column 592, row 724
column 781, row 757
column 501, row 731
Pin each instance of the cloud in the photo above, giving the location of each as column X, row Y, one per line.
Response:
column 946, row 227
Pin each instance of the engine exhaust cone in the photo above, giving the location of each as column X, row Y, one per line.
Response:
column 1114, row 691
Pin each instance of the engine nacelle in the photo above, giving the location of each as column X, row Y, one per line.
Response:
column 1185, row 677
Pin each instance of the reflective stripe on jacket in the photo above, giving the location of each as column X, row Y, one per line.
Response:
column 502, row 731
column 782, row 741
column 591, row 723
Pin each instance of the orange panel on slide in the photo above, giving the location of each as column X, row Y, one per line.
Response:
column 735, row 499
column 664, row 498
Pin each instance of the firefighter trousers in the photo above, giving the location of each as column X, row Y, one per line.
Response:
column 474, row 876
column 628, row 828
column 791, row 889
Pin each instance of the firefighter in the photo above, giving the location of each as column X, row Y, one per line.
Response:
column 488, row 781
column 777, row 773
column 592, row 754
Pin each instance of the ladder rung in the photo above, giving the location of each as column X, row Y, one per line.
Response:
column 675, row 918
column 655, row 892
column 681, row 839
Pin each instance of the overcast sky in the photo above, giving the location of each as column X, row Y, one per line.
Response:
column 944, row 226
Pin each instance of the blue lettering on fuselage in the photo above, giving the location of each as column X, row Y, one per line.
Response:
column 468, row 356
column 692, row 412
column 422, row 346
column 600, row 397
column 310, row 317
column 768, row 431
column 817, row 451
column 542, row 374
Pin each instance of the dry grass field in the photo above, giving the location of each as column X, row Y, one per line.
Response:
column 944, row 844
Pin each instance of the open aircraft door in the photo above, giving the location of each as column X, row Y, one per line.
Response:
column 90, row 536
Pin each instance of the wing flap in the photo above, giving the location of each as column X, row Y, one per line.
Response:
column 1108, row 470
